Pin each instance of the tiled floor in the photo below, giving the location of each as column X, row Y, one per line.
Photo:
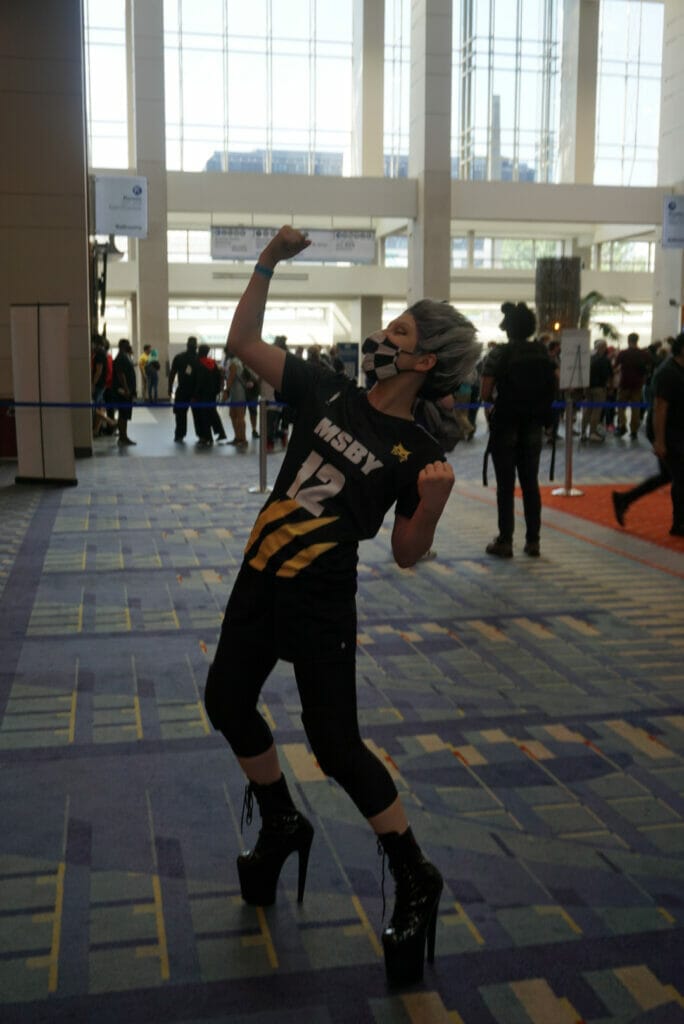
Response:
column 529, row 710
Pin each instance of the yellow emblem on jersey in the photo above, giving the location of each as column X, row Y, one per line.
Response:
column 400, row 452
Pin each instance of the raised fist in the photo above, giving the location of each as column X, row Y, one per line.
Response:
column 284, row 246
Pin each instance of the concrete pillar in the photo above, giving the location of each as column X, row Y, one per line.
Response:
column 583, row 251
column 43, row 182
column 429, row 238
column 368, row 80
column 366, row 317
column 148, row 155
column 668, row 278
column 578, row 91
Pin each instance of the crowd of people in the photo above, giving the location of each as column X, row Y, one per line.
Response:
column 113, row 388
column 197, row 383
column 510, row 383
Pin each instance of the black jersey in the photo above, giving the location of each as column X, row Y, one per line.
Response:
column 345, row 466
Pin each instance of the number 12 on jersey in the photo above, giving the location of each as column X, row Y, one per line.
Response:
column 315, row 482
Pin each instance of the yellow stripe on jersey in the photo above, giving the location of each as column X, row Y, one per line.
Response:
column 303, row 558
column 284, row 535
column 278, row 510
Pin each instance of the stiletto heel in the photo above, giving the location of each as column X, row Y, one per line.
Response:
column 284, row 831
column 414, row 921
column 431, row 935
column 304, row 851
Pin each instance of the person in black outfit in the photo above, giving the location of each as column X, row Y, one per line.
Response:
column 525, row 380
column 352, row 455
column 665, row 428
column 183, row 369
column 207, row 386
column 124, row 389
column 98, row 362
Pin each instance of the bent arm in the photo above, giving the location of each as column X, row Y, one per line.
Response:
column 411, row 538
column 244, row 336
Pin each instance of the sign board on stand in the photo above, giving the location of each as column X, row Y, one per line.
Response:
column 574, row 373
column 348, row 352
column 575, row 359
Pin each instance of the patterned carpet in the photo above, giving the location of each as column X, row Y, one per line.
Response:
column 530, row 712
column 649, row 518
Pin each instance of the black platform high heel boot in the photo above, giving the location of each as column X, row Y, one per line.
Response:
column 283, row 831
column 414, row 920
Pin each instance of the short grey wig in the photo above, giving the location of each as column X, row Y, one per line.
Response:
column 451, row 337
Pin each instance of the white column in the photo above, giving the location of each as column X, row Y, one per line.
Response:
column 668, row 279
column 430, row 149
column 368, row 87
column 365, row 315
column 148, row 156
column 578, row 91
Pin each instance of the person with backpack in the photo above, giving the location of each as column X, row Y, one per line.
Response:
column 521, row 380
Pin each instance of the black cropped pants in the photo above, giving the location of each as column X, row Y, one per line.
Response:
column 268, row 619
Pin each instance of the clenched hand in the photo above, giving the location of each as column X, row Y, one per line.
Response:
column 434, row 486
column 284, row 246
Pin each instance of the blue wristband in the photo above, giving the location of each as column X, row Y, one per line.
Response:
column 259, row 268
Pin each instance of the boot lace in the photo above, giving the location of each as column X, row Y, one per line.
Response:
column 247, row 806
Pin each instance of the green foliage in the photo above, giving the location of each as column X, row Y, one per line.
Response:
column 591, row 302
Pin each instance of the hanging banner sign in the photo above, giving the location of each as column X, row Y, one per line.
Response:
column 239, row 243
column 244, row 243
column 121, row 206
column 673, row 222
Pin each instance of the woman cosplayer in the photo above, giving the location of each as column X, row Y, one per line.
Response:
column 352, row 455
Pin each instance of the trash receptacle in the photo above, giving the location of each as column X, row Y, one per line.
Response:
column 8, row 433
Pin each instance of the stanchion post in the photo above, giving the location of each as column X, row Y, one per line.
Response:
column 263, row 487
column 568, row 491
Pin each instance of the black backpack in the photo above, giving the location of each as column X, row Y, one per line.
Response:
column 525, row 384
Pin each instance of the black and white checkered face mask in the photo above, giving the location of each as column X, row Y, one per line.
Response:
column 380, row 357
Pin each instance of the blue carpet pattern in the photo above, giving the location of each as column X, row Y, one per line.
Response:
column 530, row 712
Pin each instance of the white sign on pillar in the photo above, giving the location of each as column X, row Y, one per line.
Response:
column 40, row 370
column 673, row 222
column 121, row 205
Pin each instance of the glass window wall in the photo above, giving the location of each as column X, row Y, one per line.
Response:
column 490, row 253
column 627, row 256
column 628, row 100
column 106, row 83
column 505, row 89
column 396, row 87
column 264, row 87
column 303, row 324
